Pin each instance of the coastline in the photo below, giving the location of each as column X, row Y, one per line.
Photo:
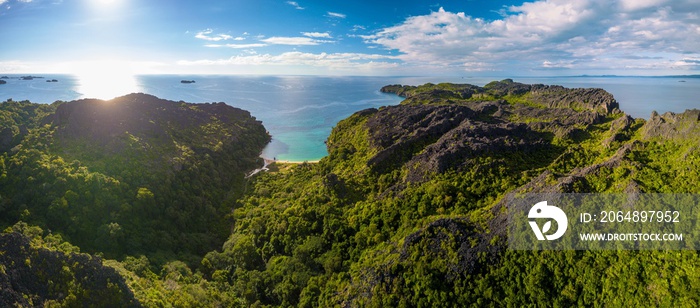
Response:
column 267, row 162
column 271, row 161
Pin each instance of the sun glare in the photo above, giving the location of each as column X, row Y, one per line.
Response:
column 105, row 5
column 105, row 1
column 105, row 80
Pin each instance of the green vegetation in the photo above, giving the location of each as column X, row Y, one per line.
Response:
column 154, row 178
column 45, row 271
column 405, row 210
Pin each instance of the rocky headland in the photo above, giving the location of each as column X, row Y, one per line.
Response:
column 559, row 139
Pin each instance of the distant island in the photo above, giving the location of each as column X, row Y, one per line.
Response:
column 636, row 76
column 30, row 77
column 3, row 79
column 187, row 81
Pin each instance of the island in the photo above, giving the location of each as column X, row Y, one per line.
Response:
column 143, row 201
column 124, row 168
column 3, row 82
column 30, row 77
column 187, row 81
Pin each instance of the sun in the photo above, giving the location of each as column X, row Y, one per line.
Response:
column 105, row 3
column 105, row 79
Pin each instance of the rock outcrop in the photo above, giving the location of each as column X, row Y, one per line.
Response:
column 33, row 277
column 671, row 125
column 445, row 126
column 470, row 241
column 538, row 94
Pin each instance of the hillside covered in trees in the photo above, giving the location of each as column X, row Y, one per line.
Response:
column 406, row 210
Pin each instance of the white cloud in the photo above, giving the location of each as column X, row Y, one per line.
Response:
column 206, row 35
column 557, row 64
column 295, row 5
column 477, row 67
column 101, row 67
column 631, row 5
column 333, row 61
column 296, row 41
column 337, row 15
column 2, row 2
column 688, row 63
column 236, row 46
column 548, row 34
column 317, row 34
column 16, row 66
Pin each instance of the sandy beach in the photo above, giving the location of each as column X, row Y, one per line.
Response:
column 269, row 161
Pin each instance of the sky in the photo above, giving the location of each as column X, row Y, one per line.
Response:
column 328, row 37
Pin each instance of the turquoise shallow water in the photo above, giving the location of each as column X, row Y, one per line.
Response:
column 300, row 111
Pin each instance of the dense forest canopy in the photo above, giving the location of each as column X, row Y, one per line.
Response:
column 406, row 210
column 132, row 176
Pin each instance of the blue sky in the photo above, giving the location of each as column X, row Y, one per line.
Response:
column 455, row 38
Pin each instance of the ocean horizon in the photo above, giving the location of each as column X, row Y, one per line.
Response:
column 300, row 111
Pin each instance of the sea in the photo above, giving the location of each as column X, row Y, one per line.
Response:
column 300, row 111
